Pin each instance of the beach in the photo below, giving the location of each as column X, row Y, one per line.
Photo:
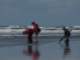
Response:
column 48, row 49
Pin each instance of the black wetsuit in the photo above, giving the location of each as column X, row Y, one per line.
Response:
column 67, row 33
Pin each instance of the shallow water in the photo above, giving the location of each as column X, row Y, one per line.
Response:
column 15, row 48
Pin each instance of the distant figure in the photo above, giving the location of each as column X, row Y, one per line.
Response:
column 66, row 36
column 34, row 29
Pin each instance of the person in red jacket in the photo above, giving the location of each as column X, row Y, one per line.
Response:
column 30, row 31
column 36, row 28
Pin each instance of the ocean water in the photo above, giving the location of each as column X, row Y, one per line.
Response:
column 16, row 48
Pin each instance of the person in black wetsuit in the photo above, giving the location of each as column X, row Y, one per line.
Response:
column 66, row 36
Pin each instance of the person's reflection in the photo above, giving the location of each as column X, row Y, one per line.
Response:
column 67, row 49
column 28, row 51
column 35, row 54
column 32, row 51
column 34, row 29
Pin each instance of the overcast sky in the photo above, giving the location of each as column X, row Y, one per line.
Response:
column 45, row 12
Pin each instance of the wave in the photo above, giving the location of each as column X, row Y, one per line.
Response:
column 19, row 29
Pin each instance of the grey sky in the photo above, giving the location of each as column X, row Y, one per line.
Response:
column 45, row 12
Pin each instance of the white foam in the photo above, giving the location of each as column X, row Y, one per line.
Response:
column 43, row 30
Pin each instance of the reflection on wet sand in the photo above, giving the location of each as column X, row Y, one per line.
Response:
column 36, row 53
column 67, row 49
column 32, row 50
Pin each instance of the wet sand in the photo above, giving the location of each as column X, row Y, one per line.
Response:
column 48, row 49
